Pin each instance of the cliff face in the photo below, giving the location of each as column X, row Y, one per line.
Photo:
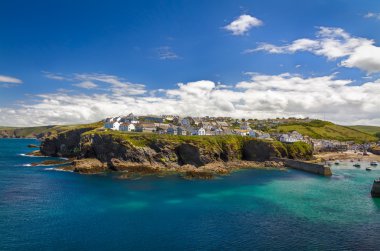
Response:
column 120, row 151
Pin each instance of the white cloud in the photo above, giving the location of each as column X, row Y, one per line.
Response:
column 372, row 15
column 243, row 24
column 261, row 96
column 166, row 53
column 6, row 81
column 86, row 85
column 333, row 43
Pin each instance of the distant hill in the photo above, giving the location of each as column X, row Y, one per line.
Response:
column 326, row 130
column 32, row 132
column 367, row 129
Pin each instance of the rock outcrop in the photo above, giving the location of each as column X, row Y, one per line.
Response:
column 97, row 151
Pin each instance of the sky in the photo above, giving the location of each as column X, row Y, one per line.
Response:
column 66, row 62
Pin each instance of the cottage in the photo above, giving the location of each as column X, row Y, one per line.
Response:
column 115, row 126
column 127, row 127
column 200, row 131
column 146, row 127
column 171, row 130
column 181, row 131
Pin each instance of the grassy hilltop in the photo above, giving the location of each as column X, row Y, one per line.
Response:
column 32, row 132
column 367, row 129
column 318, row 129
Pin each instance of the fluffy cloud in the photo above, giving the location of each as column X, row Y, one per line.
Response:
column 261, row 96
column 243, row 24
column 333, row 43
column 6, row 81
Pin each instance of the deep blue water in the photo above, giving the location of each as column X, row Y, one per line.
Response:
column 250, row 210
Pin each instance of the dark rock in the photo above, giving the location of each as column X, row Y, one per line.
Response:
column 255, row 150
column 88, row 166
column 33, row 146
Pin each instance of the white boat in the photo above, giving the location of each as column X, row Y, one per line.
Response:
column 373, row 163
column 368, row 169
column 357, row 165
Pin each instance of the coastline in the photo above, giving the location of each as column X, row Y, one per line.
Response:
column 347, row 155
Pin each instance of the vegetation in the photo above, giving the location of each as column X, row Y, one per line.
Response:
column 318, row 129
column 374, row 130
column 31, row 132
column 216, row 144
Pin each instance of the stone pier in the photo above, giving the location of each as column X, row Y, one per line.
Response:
column 319, row 169
column 375, row 191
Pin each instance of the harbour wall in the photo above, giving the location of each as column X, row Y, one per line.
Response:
column 306, row 166
column 375, row 192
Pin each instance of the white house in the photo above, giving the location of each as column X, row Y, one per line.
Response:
column 291, row 137
column 127, row 127
column 116, row 126
column 201, row 132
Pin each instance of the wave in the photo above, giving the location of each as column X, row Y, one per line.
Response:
column 26, row 155
column 57, row 169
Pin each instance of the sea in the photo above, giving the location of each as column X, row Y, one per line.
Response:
column 42, row 208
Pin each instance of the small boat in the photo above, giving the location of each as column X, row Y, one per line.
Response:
column 368, row 169
column 357, row 165
column 336, row 163
column 373, row 163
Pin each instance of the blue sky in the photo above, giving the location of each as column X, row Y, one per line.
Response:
column 53, row 47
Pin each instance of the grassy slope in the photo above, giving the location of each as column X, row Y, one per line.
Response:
column 29, row 132
column 327, row 130
column 366, row 129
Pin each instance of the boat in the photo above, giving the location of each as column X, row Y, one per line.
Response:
column 368, row 169
column 357, row 165
column 336, row 163
column 373, row 163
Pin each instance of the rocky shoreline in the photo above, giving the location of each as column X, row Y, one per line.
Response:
column 136, row 154
column 132, row 170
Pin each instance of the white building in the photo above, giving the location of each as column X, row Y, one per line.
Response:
column 127, row 127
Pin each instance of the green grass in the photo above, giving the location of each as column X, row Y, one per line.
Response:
column 327, row 130
column 29, row 132
column 366, row 129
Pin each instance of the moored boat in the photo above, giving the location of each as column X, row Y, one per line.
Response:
column 373, row 163
column 368, row 169
column 357, row 165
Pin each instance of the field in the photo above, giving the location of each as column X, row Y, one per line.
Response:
column 327, row 130
column 367, row 129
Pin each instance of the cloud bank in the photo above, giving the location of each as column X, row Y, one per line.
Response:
column 260, row 96
column 333, row 43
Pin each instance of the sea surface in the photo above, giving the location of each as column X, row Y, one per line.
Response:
column 44, row 209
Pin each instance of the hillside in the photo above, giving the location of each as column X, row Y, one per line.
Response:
column 366, row 129
column 39, row 131
column 326, row 130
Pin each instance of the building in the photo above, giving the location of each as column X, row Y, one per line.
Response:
column 171, row 130
column 146, row 127
column 182, row 131
column 127, row 127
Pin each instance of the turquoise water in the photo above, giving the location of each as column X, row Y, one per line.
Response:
column 43, row 209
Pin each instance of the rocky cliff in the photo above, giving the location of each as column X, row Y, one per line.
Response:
column 121, row 151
